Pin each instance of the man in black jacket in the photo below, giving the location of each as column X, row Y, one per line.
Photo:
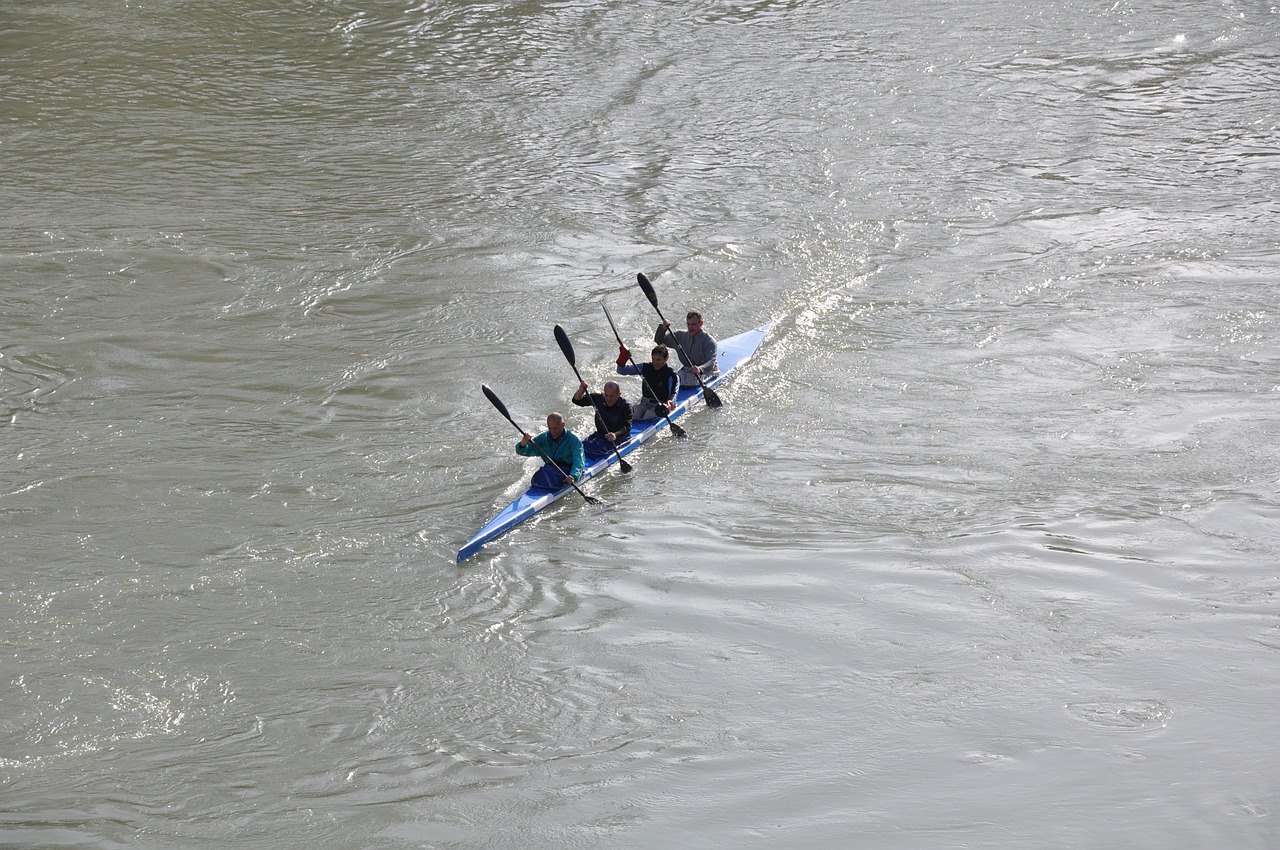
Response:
column 613, row 419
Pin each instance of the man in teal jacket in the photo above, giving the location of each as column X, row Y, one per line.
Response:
column 564, row 449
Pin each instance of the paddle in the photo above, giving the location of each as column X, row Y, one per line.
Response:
column 675, row 429
column 567, row 347
column 502, row 408
column 713, row 400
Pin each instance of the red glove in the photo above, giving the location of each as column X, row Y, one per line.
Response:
column 623, row 355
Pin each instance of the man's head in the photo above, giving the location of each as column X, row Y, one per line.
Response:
column 555, row 424
column 693, row 321
column 612, row 392
column 660, row 355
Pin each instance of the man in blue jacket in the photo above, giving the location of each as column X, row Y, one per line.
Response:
column 564, row 449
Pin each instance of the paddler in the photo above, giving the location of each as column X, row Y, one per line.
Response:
column 695, row 347
column 564, row 449
column 659, row 382
column 613, row 419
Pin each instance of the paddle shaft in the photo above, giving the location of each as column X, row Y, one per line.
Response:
column 675, row 429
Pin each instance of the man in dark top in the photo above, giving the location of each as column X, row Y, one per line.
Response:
column 659, row 382
column 613, row 419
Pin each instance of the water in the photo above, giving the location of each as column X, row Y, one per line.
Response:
column 980, row 552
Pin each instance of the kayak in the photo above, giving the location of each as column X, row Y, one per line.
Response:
column 732, row 354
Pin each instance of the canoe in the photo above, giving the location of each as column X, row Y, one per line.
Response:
column 732, row 354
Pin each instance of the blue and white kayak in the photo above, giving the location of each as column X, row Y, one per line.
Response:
column 732, row 354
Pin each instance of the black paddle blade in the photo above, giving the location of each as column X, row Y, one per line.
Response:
column 562, row 339
column 648, row 288
column 497, row 402
column 624, row 466
column 712, row 399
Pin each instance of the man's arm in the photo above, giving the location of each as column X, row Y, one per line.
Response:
column 707, row 353
column 623, row 430
column 581, row 398
column 579, row 459
column 524, row 449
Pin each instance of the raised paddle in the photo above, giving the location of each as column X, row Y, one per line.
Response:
column 675, row 429
column 562, row 339
column 709, row 394
column 502, row 408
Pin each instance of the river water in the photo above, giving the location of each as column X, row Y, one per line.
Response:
column 982, row 550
